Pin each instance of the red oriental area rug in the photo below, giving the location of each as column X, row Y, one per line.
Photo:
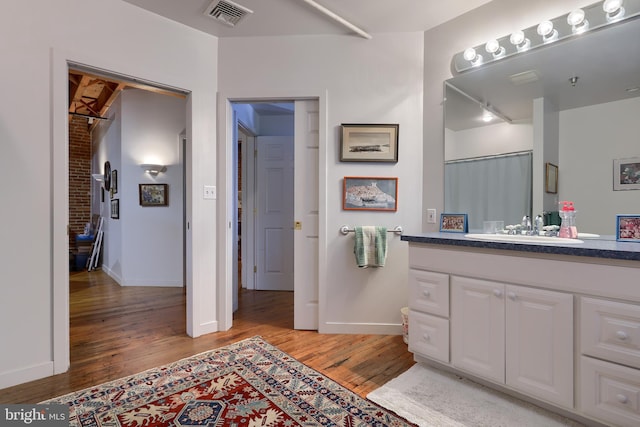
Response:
column 249, row 383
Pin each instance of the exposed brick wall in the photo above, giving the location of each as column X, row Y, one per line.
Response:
column 79, row 177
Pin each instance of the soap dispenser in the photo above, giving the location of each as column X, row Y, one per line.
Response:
column 568, row 227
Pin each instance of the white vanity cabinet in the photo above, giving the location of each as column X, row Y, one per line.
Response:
column 516, row 335
column 561, row 330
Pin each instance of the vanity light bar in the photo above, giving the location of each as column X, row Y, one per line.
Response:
column 576, row 22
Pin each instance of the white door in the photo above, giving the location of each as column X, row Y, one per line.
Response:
column 477, row 327
column 540, row 343
column 274, row 220
column 306, row 215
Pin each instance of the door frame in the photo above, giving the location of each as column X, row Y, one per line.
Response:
column 226, row 171
column 61, row 64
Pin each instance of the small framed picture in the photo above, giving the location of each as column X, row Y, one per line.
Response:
column 628, row 228
column 369, row 143
column 115, row 208
column 153, row 195
column 361, row 193
column 626, row 174
column 551, row 179
column 454, row 223
column 114, row 181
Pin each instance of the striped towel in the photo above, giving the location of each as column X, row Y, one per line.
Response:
column 370, row 246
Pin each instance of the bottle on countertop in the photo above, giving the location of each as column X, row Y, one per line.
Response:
column 568, row 227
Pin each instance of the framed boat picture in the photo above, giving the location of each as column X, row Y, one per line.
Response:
column 369, row 143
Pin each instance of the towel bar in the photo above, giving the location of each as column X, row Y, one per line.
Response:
column 346, row 230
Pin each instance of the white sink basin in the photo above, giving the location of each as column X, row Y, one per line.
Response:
column 523, row 239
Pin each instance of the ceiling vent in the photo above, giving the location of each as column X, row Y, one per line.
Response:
column 227, row 12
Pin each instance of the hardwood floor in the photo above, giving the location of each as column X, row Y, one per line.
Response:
column 118, row 331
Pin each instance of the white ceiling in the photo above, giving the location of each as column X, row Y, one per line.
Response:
column 296, row 17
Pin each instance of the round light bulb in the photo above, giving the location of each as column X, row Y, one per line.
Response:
column 545, row 28
column 517, row 37
column 492, row 46
column 576, row 17
column 611, row 6
column 469, row 54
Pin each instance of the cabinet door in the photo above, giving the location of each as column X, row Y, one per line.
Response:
column 539, row 331
column 477, row 327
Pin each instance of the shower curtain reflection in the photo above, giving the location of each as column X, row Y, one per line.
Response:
column 494, row 188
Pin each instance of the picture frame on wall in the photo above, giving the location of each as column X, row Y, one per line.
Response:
column 628, row 228
column 551, row 178
column 454, row 223
column 626, row 174
column 114, row 181
column 369, row 143
column 362, row 193
column 115, row 209
column 153, row 194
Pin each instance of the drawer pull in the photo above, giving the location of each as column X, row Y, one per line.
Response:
column 512, row 296
column 622, row 398
column 622, row 335
column 497, row 292
column 426, row 293
column 426, row 337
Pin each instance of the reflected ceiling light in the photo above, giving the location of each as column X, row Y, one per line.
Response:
column 493, row 47
column 547, row 32
column 589, row 18
column 577, row 21
column 152, row 169
column 472, row 56
column 613, row 9
column 519, row 40
column 487, row 116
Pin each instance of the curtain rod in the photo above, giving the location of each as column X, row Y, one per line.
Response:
column 493, row 156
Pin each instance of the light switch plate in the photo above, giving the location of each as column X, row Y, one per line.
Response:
column 431, row 216
column 209, row 192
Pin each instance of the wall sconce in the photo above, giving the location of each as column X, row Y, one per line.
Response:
column 152, row 169
column 572, row 24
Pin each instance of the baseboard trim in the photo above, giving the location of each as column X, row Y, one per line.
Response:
column 360, row 328
column 23, row 375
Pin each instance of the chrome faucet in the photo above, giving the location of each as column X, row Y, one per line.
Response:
column 538, row 223
column 526, row 225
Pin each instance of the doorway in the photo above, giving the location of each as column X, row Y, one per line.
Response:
column 96, row 118
column 264, row 184
column 306, row 181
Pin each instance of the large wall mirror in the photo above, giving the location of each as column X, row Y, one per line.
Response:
column 574, row 103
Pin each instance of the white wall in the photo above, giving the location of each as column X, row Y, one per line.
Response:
column 149, row 252
column 37, row 39
column 588, row 145
column 366, row 81
column 491, row 140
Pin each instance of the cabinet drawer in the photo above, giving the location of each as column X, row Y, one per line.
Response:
column 610, row 392
column 429, row 336
column 610, row 330
column 429, row 292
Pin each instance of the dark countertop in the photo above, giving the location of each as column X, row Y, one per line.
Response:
column 604, row 247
